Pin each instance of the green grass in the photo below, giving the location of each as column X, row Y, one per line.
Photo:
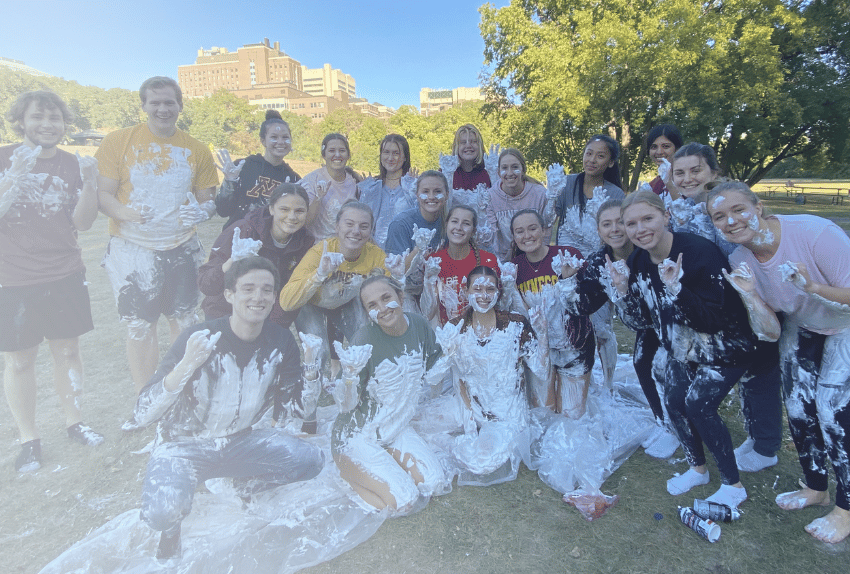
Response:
column 517, row 527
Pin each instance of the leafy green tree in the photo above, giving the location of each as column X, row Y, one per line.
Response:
column 742, row 75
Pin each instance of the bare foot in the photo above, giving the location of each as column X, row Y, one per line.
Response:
column 802, row 498
column 832, row 528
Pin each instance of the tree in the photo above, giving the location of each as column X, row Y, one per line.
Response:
column 742, row 75
column 223, row 121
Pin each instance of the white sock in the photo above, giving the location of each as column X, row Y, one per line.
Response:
column 684, row 482
column 729, row 495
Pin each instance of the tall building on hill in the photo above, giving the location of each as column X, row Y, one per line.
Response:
column 325, row 81
column 269, row 78
column 432, row 101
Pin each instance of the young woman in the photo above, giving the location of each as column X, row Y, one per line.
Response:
column 661, row 143
column 493, row 350
column 248, row 183
column 575, row 208
column 444, row 293
column 417, row 232
column 570, row 337
column 593, row 288
column 329, row 186
column 468, row 146
column 275, row 232
column 799, row 265
column 393, row 191
column 325, row 285
column 373, row 444
column 514, row 192
column 675, row 287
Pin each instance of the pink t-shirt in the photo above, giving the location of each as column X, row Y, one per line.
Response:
column 824, row 248
column 502, row 208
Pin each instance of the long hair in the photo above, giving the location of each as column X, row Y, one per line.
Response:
column 403, row 146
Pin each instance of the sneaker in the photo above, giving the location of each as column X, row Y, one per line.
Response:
column 169, row 544
column 29, row 459
column 745, row 447
column 664, row 445
column 84, row 435
column 754, row 462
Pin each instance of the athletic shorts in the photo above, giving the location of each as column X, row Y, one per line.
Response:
column 56, row 310
column 149, row 283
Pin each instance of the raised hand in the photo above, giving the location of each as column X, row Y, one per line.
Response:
column 244, row 248
column 353, row 359
column 422, row 238
column 88, row 168
column 555, row 179
column 682, row 211
column 664, row 170
column 199, row 346
column 618, row 273
column 311, row 346
column 230, row 170
column 795, row 273
column 395, row 264
column 23, row 160
column 566, row 263
column 507, row 271
column 537, row 318
column 192, row 213
column 448, row 164
column 322, row 187
column 448, row 336
column 330, row 262
column 491, row 163
column 670, row 274
column 741, row 279
column 432, row 268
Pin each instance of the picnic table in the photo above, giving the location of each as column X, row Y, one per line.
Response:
column 799, row 191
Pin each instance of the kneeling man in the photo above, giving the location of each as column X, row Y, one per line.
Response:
column 216, row 393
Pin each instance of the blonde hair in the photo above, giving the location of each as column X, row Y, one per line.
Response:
column 469, row 129
column 647, row 197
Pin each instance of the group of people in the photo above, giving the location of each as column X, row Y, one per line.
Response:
column 409, row 288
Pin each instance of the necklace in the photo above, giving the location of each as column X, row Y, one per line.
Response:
column 532, row 265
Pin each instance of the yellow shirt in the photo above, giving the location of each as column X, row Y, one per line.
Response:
column 158, row 173
column 301, row 288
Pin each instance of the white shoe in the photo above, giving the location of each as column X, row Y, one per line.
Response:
column 745, row 447
column 754, row 462
column 684, row 482
column 653, row 436
column 664, row 445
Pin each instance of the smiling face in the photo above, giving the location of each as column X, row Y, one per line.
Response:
column 335, row 154
column 278, row 142
column 253, row 297
column 596, row 159
column 42, row 126
column 511, row 172
column 354, row 229
column 392, row 158
column 646, row 226
column 611, row 230
column 460, row 227
column 482, row 292
column 468, row 146
column 690, row 174
column 735, row 215
column 383, row 304
column 528, row 233
column 432, row 195
column 289, row 214
column 661, row 148
column 162, row 108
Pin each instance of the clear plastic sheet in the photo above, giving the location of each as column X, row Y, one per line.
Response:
column 280, row 531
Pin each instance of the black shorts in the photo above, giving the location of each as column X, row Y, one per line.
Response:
column 149, row 283
column 56, row 310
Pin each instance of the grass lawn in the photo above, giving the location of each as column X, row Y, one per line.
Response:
column 517, row 527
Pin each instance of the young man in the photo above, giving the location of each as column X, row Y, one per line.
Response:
column 46, row 196
column 217, row 392
column 156, row 184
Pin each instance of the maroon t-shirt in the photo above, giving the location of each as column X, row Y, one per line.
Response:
column 470, row 180
column 38, row 240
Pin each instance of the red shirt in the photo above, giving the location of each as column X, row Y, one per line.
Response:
column 453, row 274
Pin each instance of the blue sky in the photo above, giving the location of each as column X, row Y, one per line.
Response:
column 392, row 48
